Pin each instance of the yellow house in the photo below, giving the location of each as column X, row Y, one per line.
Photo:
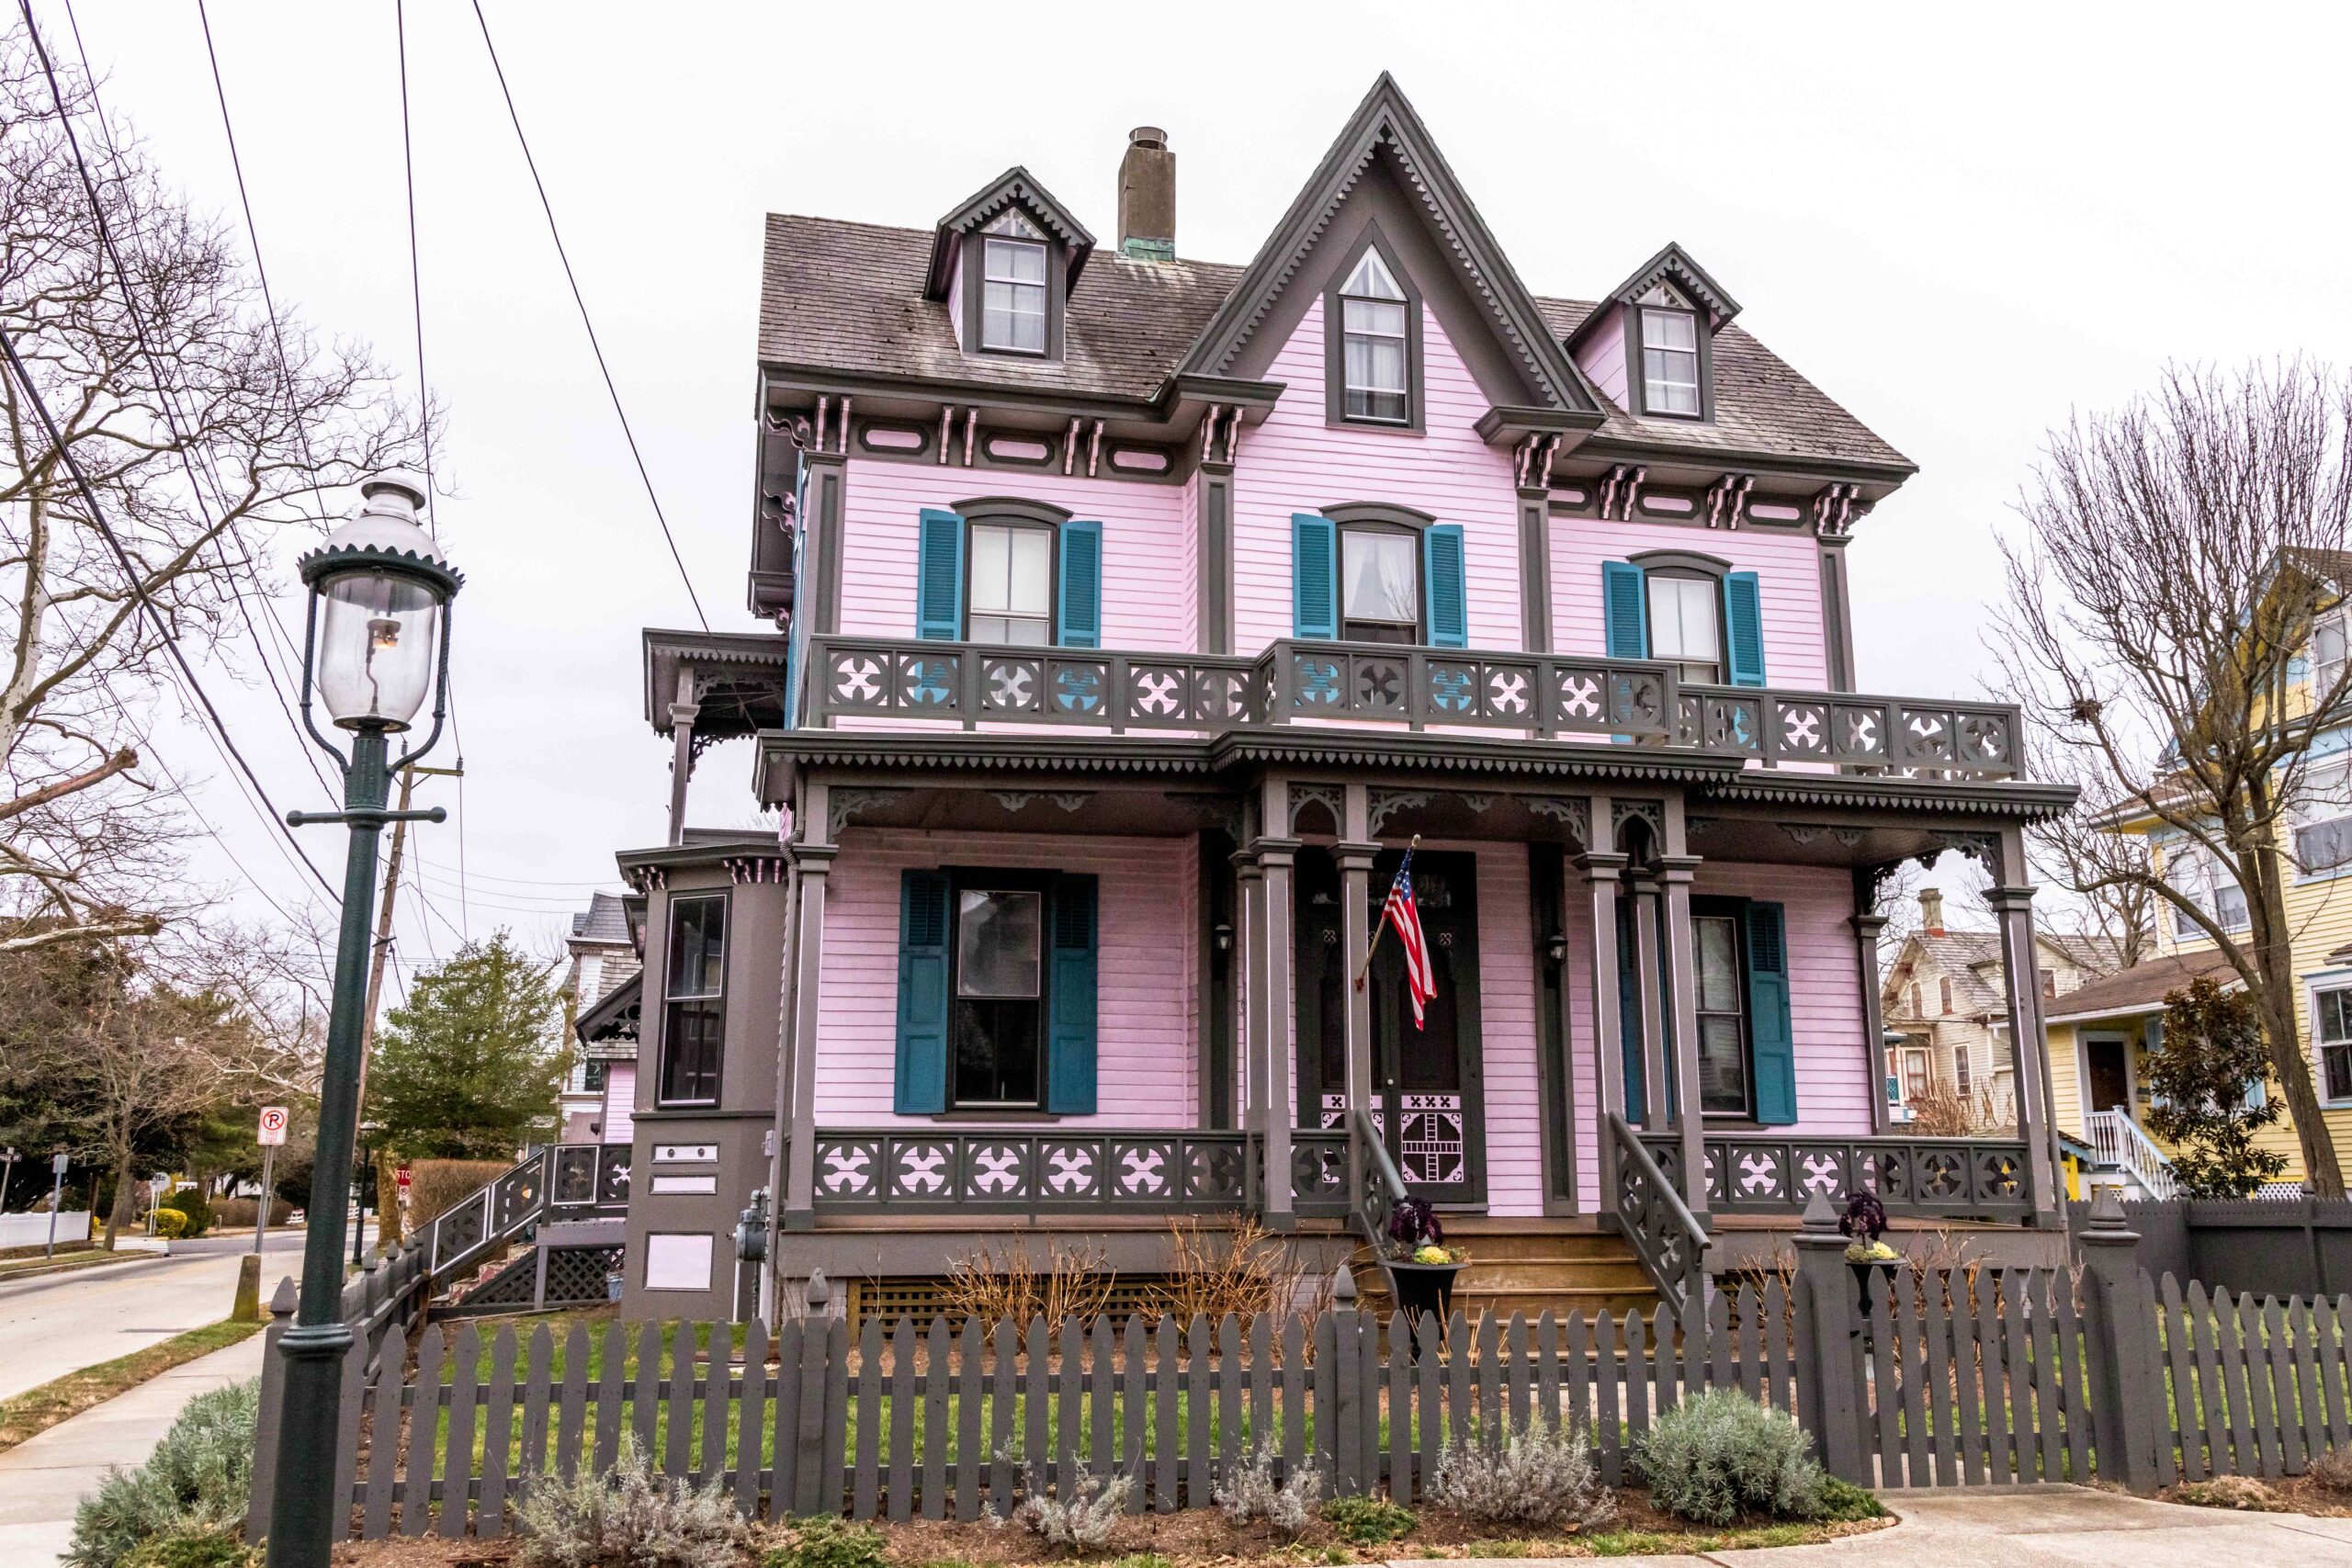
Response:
column 2097, row 1036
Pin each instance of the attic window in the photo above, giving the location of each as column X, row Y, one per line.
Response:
column 1013, row 298
column 1670, row 358
column 1376, row 347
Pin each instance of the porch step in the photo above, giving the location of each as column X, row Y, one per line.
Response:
column 1532, row 1267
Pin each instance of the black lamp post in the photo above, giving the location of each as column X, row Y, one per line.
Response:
column 375, row 642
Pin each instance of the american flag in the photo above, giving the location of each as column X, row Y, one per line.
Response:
column 1420, row 976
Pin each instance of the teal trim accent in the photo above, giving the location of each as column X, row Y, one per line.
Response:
column 1077, row 619
column 1771, row 1041
column 939, row 577
column 1624, row 613
column 1314, row 577
column 1443, row 570
column 919, row 1080
column 1070, row 1004
column 1743, row 625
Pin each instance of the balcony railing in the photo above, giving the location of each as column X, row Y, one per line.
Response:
column 997, row 1171
column 1951, row 1177
column 1537, row 695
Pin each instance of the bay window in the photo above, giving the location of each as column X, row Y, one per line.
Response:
column 693, row 1027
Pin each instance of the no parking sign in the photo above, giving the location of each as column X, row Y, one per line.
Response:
column 273, row 1127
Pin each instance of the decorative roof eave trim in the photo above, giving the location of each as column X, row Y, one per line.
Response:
column 1880, row 478
column 1385, row 119
column 746, row 650
column 1015, row 185
column 1673, row 262
column 608, row 1007
column 1507, row 423
column 782, row 376
column 714, row 851
column 2021, row 802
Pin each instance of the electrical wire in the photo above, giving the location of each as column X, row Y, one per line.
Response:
column 564, row 256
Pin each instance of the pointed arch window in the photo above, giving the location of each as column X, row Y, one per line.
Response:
column 1377, row 356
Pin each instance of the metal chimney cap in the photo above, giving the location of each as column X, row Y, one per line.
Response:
column 1147, row 136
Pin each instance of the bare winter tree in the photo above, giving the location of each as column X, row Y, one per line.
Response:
column 2176, row 559
column 2110, row 874
column 204, row 426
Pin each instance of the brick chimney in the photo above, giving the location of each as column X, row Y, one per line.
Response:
column 1148, row 196
column 1931, row 910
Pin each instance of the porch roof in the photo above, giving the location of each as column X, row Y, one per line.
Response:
column 737, row 678
column 2140, row 988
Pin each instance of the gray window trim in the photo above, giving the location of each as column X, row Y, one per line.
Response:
column 1005, row 879
column 1349, row 512
column 1008, row 513
column 1703, row 568
column 1378, row 517
column 1689, row 563
column 1637, row 385
column 973, row 262
column 726, row 902
column 1335, row 358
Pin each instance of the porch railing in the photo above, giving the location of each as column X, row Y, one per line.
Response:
column 2118, row 1143
column 1664, row 1235
column 1543, row 695
column 1947, row 1177
column 1382, row 1186
column 998, row 1171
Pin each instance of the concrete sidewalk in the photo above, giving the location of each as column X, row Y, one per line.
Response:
column 44, row 1478
column 2043, row 1526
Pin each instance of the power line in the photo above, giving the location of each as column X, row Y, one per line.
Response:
column 415, row 274
column 562, row 254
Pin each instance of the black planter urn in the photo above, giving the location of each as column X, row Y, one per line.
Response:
column 1423, row 1287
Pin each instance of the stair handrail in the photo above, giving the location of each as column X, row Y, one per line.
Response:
column 1384, row 1185
column 1666, row 1235
column 2122, row 1142
column 446, row 1254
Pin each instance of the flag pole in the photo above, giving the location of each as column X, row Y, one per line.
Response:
column 1365, row 967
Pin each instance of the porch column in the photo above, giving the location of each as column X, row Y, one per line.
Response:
column 812, row 859
column 1354, row 853
column 1275, row 858
column 1601, row 870
column 1676, row 871
column 2020, row 976
column 683, row 713
column 1869, row 925
column 1649, row 992
column 1250, row 908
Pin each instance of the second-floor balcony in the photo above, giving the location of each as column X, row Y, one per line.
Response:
column 1539, row 695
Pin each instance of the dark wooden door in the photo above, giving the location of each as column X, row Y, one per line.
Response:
column 1427, row 1079
column 2110, row 1084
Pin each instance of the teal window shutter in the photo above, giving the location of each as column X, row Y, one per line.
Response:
column 1449, row 606
column 1771, row 1041
column 1070, row 1005
column 939, row 577
column 1624, row 610
column 920, row 1084
column 1077, row 619
column 1743, row 625
column 1314, row 577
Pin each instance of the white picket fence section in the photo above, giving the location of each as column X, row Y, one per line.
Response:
column 32, row 1230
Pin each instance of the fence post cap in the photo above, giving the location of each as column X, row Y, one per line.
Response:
column 819, row 1294
column 283, row 1300
column 1818, row 1214
column 2107, row 1208
column 1343, row 1286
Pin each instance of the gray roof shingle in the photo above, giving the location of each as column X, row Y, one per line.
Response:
column 848, row 296
column 605, row 921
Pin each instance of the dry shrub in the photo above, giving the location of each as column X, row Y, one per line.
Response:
column 237, row 1214
column 1231, row 1265
column 437, row 1186
column 993, row 1286
column 1945, row 1112
column 1082, row 1518
column 1538, row 1476
column 2242, row 1493
column 2332, row 1471
column 1250, row 1492
column 633, row 1517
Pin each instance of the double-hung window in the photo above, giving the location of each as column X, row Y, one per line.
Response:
column 1723, row 1017
column 2328, row 654
column 1012, row 592
column 2192, row 872
column 2332, row 1027
column 1685, row 624
column 1012, row 285
column 694, row 1030
column 1670, row 361
column 1376, row 345
column 1380, row 585
column 2324, row 819
column 996, row 1018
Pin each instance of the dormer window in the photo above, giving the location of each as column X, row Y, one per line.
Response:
column 1371, row 322
column 1013, row 295
column 1670, row 367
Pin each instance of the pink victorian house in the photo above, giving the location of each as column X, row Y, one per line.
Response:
column 1134, row 613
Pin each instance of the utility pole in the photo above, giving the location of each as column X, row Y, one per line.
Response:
column 384, row 934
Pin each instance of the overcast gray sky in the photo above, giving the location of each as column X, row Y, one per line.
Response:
column 1963, row 223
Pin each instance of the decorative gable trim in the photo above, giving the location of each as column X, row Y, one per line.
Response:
column 1386, row 120
column 1015, row 187
column 1673, row 266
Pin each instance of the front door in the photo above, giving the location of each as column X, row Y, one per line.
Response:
column 2111, row 1086
column 1427, row 1091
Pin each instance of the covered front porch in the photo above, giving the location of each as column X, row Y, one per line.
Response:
column 1656, row 1011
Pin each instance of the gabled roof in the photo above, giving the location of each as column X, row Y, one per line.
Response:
column 1674, row 265
column 1385, row 121
column 2140, row 988
column 1971, row 960
column 1014, row 187
column 603, row 923
column 614, row 1016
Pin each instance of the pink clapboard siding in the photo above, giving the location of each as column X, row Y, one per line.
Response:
column 1788, row 576
column 1145, row 1053
column 1148, row 552
column 1602, row 357
column 1297, row 462
column 1514, row 1106
column 620, row 1103
column 1834, row 1084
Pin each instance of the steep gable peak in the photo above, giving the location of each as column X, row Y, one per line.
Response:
column 1671, row 277
column 1007, row 204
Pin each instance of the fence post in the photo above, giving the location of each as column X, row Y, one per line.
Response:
column 273, row 1394
column 1827, row 1401
column 2125, row 1419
